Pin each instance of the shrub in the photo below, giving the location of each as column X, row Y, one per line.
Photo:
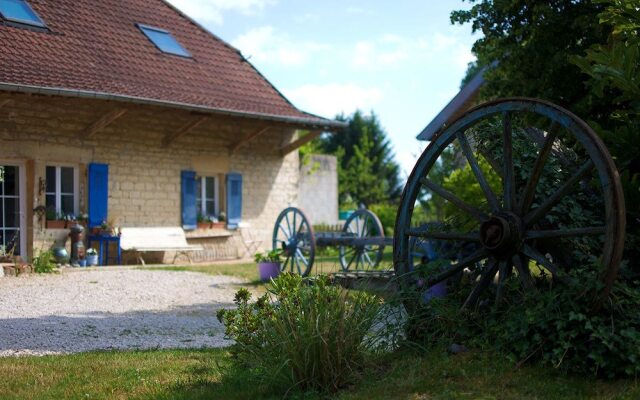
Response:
column 302, row 333
column 44, row 262
column 561, row 327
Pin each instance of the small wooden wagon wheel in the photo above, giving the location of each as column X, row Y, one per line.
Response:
column 535, row 193
column 360, row 256
column 294, row 235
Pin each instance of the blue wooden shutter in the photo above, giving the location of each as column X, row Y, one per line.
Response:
column 234, row 199
column 189, row 214
column 98, row 177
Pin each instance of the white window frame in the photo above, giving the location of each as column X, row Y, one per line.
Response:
column 22, row 202
column 203, row 198
column 58, row 188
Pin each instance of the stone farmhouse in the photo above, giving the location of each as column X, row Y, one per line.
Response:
column 130, row 112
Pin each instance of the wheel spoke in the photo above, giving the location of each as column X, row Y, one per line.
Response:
column 286, row 217
column 298, row 265
column 294, row 223
column 523, row 272
column 590, row 230
column 302, row 257
column 283, row 232
column 505, row 269
column 453, row 269
column 351, row 260
column 493, row 163
column 473, row 163
column 442, row 192
column 286, row 261
column 425, row 233
column 485, row 280
column 366, row 255
column 509, row 186
column 301, row 226
column 541, row 259
column 533, row 216
column 536, row 173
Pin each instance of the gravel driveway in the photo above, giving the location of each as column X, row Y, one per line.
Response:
column 112, row 309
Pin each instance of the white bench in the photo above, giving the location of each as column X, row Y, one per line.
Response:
column 143, row 240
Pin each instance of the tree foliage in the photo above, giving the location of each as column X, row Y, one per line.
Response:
column 367, row 171
column 532, row 42
column 581, row 54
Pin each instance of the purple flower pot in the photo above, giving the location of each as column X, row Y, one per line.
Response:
column 436, row 291
column 268, row 270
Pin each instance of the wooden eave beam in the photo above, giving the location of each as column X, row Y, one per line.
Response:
column 188, row 127
column 103, row 122
column 247, row 139
column 299, row 142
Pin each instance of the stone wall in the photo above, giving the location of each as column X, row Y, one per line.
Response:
column 144, row 174
column 318, row 189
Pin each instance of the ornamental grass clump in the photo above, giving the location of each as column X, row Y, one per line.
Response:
column 303, row 334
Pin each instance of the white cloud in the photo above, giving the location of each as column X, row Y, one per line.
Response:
column 388, row 51
column 334, row 98
column 407, row 159
column 391, row 50
column 308, row 17
column 462, row 56
column 212, row 10
column 355, row 10
column 266, row 45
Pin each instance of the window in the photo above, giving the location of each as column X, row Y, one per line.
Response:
column 61, row 194
column 19, row 11
column 10, row 208
column 207, row 196
column 163, row 40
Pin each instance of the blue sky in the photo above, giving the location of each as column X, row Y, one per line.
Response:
column 401, row 59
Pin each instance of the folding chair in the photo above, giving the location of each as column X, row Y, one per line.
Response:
column 250, row 243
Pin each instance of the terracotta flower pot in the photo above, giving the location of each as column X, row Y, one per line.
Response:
column 56, row 224
column 204, row 225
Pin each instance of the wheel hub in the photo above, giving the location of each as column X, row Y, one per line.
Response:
column 289, row 247
column 501, row 234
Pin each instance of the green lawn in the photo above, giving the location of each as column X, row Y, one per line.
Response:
column 198, row 374
column 201, row 374
column 323, row 264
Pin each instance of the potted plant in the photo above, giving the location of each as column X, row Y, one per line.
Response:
column 54, row 220
column 269, row 264
column 204, row 221
column 92, row 257
column 427, row 269
column 220, row 222
column 82, row 219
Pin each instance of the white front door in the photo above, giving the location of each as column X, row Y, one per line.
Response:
column 12, row 207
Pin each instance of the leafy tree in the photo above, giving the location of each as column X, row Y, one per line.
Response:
column 366, row 167
column 613, row 70
column 532, row 41
column 557, row 50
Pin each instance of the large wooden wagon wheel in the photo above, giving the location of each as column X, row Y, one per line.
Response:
column 535, row 193
column 360, row 256
column 294, row 235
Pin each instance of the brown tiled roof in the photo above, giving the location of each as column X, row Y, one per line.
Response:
column 95, row 46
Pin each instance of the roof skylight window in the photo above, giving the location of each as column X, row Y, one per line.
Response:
column 164, row 40
column 19, row 11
